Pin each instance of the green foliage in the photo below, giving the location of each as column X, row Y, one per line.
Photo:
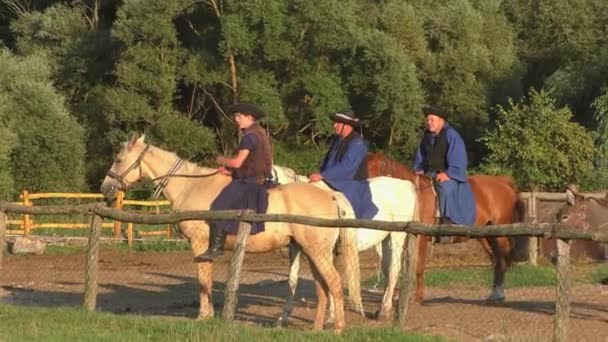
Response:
column 553, row 34
column 48, row 154
column 147, row 76
column 170, row 68
column 598, row 179
column 538, row 144
column 304, row 159
column 179, row 134
column 473, row 62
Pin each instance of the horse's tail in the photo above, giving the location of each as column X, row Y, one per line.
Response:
column 349, row 259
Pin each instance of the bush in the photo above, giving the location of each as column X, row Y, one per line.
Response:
column 538, row 144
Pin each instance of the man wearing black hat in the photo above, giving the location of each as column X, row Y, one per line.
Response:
column 344, row 167
column 250, row 170
column 442, row 156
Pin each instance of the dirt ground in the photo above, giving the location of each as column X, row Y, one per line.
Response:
column 164, row 284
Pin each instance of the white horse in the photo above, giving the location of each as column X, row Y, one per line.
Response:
column 396, row 201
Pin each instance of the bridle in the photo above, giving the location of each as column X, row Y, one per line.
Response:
column 136, row 164
column 164, row 179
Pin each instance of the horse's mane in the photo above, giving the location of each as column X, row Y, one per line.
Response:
column 187, row 167
column 391, row 166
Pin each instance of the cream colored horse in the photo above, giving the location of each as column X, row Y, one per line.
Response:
column 396, row 201
column 137, row 161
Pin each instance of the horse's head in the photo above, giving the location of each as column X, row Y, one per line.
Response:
column 126, row 169
column 583, row 212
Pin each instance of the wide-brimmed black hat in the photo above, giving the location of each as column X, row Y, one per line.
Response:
column 347, row 117
column 246, row 108
column 435, row 110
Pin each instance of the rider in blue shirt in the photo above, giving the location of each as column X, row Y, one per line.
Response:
column 344, row 167
column 442, row 156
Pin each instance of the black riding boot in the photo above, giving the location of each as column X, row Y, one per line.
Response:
column 217, row 239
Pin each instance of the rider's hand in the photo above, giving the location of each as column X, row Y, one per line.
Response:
column 315, row 177
column 442, row 177
column 223, row 171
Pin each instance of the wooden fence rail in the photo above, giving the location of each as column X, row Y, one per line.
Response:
column 27, row 224
column 99, row 210
column 532, row 199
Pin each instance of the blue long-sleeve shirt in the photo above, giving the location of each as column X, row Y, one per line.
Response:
column 346, row 168
column 456, row 158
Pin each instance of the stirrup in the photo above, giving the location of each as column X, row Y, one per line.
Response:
column 209, row 255
column 443, row 240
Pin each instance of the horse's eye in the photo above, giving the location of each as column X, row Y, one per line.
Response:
column 565, row 217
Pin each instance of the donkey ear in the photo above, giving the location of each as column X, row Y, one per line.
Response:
column 570, row 196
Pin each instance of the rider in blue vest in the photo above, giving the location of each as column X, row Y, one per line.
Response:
column 442, row 156
column 250, row 169
column 344, row 167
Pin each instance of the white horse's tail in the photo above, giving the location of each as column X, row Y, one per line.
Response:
column 349, row 256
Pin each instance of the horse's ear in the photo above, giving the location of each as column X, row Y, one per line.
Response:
column 135, row 139
column 570, row 196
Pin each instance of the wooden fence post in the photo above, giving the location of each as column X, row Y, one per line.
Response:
column 90, row 277
column 120, row 198
column 562, row 304
column 234, row 277
column 27, row 222
column 407, row 277
column 532, row 241
column 3, row 224
column 130, row 234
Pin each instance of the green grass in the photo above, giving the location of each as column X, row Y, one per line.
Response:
column 149, row 245
column 161, row 245
column 68, row 324
column 599, row 274
column 518, row 276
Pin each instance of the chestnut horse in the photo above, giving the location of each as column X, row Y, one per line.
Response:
column 497, row 202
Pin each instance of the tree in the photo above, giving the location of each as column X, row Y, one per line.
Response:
column 48, row 153
column 553, row 33
column 468, row 61
column 147, row 75
column 538, row 144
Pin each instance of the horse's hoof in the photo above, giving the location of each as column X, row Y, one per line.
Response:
column 384, row 316
column 280, row 323
column 330, row 321
column 494, row 300
column 204, row 317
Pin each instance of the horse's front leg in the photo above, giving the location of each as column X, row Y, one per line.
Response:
column 378, row 248
column 294, row 268
column 204, row 272
column 499, row 261
column 394, row 266
column 422, row 243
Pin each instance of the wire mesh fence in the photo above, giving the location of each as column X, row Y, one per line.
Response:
column 159, row 277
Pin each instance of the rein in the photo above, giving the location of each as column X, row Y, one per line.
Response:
column 164, row 180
